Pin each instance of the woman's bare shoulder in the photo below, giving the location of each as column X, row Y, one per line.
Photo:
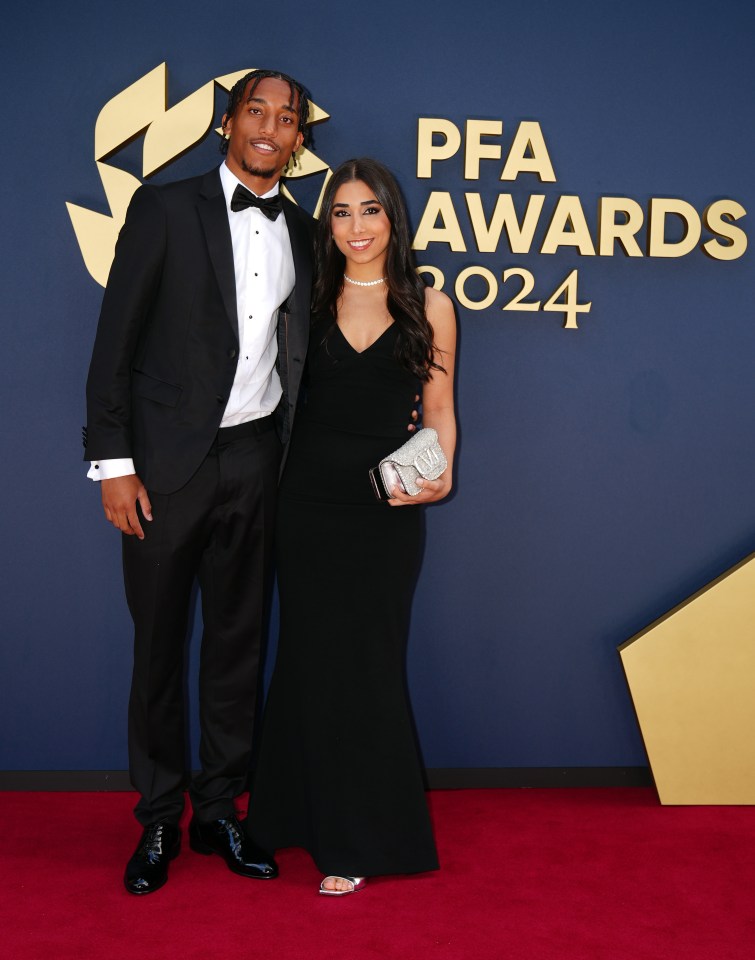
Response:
column 438, row 306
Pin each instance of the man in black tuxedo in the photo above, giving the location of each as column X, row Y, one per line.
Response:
column 190, row 400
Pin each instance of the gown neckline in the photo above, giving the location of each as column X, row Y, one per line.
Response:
column 376, row 340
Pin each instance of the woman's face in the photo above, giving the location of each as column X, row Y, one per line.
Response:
column 361, row 228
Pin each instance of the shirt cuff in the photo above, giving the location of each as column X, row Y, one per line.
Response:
column 110, row 469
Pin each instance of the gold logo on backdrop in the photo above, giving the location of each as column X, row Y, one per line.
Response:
column 498, row 227
column 169, row 132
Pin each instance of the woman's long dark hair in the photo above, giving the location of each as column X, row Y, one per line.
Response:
column 406, row 291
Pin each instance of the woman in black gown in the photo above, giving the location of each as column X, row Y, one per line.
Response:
column 339, row 772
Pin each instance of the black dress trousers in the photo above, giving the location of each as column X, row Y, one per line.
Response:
column 218, row 529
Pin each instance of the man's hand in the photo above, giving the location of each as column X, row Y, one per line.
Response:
column 119, row 498
column 415, row 415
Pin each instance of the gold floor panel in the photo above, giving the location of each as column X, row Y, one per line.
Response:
column 692, row 678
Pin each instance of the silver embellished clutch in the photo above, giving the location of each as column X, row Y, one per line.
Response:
column 422, row 456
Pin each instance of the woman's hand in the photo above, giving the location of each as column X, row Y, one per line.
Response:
column 432, row 491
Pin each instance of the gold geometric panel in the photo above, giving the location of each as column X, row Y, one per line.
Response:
column 692, row 679
column 178, row 129
column 130, row 111
column 142, row 108
column 101, row 231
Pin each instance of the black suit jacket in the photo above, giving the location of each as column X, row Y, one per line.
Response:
column 167, row 342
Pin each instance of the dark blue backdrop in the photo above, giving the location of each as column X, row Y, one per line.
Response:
column 604, row 474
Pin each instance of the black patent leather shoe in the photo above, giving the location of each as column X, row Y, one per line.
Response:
column 147, row 870
column 227, row 838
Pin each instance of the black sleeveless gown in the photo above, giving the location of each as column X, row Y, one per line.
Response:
column 339, row 771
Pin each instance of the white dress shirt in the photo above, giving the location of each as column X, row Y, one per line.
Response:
column 264, row 268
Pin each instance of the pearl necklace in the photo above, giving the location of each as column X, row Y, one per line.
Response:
column 364, row 283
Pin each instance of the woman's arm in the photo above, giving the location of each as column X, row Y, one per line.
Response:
column 438, row 398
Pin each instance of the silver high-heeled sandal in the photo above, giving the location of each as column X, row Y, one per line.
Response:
column 356, row 883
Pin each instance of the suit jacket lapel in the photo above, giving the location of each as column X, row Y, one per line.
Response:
column 301, row 248
column 214, row 217
column 299, row 301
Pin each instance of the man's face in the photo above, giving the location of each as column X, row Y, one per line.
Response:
column 264, row 132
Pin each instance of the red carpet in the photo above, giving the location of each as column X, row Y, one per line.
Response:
column 526, row 874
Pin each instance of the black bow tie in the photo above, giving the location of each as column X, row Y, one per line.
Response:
column 243, row 198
